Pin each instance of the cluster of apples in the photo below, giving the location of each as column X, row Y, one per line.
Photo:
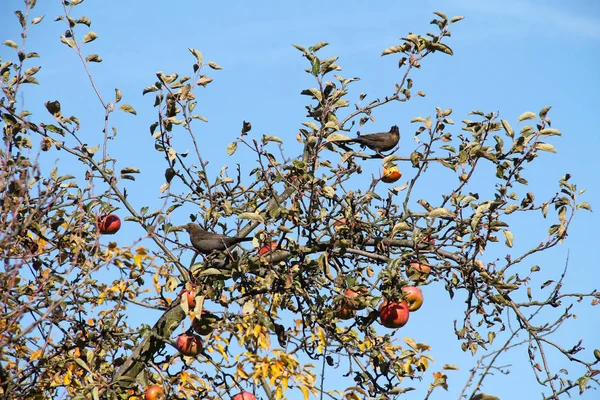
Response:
column 156, row 392
column 392, row 314
column 191, row 344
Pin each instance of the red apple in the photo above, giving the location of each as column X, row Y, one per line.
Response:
column 108, row 224
column 191, row 299
column 244, row 396
column 204, row 324
column 429, row 240
column 418, row 271
column 267, row 248
column 339, row 224
column 154, row 393
column 189, row 345
column 393, row 314
column 413, row 296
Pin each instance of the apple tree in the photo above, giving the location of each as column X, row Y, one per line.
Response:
column 337, row 260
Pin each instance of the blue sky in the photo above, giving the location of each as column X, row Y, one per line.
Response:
column 510, row 56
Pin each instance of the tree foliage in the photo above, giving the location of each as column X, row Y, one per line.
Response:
column 333, row 243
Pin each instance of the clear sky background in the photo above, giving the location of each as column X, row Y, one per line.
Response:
column 510, row 56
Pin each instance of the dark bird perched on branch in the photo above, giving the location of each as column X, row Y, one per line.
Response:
column 378, row 142
column 207, row 242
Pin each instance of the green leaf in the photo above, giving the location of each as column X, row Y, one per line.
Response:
column 251, row 216
column 93, row 58
column 11, row 44
column 130, row 170
column 544, row 112
column 32, row 70
column 214, row 65
column 509, row 237
column 127, row 108
column 584, row 205
column 337, row 137
column 545, row 147
column 85, row 20
column 318, row 46
column 390, row 159
column 328, row 192
column 90, row 37
column 441, row 47
column 311, row 125
column 53, row 107
column 392, row 50
column 316, row 66
column 550, row 132
column 451, row 367
column 270, row 138
column 441, row 15
column 82, row 364
column 196, row 54
column 213, row 271
column 440, row 212
column 118, row 95
column 68, row 42
column 302, row 49
column 525, row 116
column 231, row 148
column 507, row 128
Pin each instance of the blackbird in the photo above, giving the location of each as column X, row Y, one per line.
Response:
column 379, row 142
column 207, row 242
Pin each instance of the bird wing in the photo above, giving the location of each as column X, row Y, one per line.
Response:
column 374, row 137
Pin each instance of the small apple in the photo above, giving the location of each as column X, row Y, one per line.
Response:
column 244, row 396
column 189, row 345
column 393, row 314
column 204, row 325
column 355, row 298
column 429, row 240
column 391, row 174
column 108, row 224
column 190, row 295
column 154, row 393
column 413, row 296
column 418, row 271
column 340, row 224
column 344, row 311
column 267, row 248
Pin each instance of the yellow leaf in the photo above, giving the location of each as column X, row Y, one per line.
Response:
column 256, row 331
column 137, row 260
column 242, row 373
column 408, row 368
column 35, row 355
column 305, row 392
column 411, row 343
column 321, row 334
column 67, row 378
column 222, row 351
